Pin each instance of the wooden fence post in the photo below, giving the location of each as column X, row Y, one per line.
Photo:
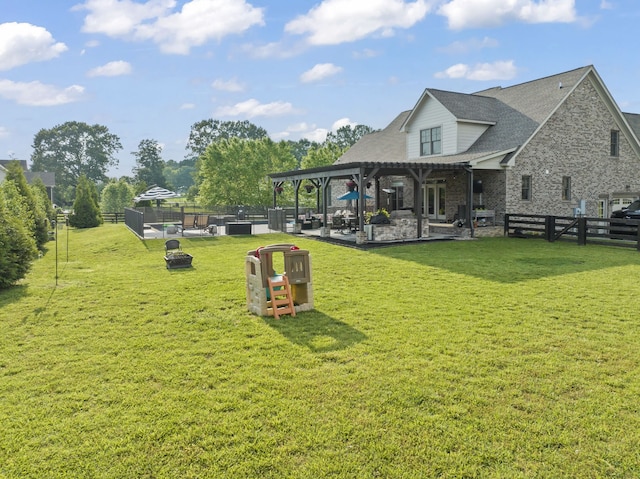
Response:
column 582, row 231
column 550, row 228
column 506, row 226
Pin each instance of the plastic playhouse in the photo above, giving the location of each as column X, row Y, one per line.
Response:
column 271, row 293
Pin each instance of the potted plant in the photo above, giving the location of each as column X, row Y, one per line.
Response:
column 351, row 185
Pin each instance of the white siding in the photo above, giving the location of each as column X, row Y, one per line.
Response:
column 432, row 114
column 468, row 133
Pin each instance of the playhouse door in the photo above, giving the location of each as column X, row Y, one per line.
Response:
column 435, row 201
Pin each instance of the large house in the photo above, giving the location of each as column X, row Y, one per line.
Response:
column 558, row 145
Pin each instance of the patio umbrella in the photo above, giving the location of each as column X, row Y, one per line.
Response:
column 352, row 195
column 156, row 193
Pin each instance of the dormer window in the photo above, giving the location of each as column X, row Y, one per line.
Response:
column 431, row 141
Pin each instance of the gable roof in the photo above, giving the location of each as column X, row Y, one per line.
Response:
column 388, row 144
column 514, row 114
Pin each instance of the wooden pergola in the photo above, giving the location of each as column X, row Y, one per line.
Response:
column 362, row 173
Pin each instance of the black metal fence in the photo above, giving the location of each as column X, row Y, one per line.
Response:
column 134, row 220
column 620, row 232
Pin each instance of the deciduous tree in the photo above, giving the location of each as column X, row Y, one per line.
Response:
column 234, row 171
column 347, row 136
column 149, row 163
column 205, row 132
column 73, row 149
column 322, row 155
column 116, row 196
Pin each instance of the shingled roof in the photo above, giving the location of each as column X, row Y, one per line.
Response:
column 388, row 144
column 513, row 113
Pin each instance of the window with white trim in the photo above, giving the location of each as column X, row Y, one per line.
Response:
column 431, row 141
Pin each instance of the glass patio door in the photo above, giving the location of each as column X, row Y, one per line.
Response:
column 435, row 201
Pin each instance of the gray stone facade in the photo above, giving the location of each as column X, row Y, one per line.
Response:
column 574, row 142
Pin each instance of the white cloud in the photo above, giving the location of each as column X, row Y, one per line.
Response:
column 466, row 46
column 298, row 127
column 4, row 133
column 303, row 130
column 605, row 5
column 366, row 53
column 22, row 43
column 320, row 72
column 342, row 122
column 197, row 22
column 273, row 50
column 490, row 13
column 253, row 108
column 187, row 106
column 111, row 69
column 39, row 94
column 338, row 21
column 317, row 135
column 500, row 70
column 232, row 85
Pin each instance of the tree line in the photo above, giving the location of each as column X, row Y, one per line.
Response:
column 227, row 162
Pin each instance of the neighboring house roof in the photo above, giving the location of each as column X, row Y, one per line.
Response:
column 388, row 144
column 48, row 178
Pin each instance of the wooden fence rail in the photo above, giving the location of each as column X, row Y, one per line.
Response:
column 582, row 229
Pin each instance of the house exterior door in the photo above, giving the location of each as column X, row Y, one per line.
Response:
column 435, row 201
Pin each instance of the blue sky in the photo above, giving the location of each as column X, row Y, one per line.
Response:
column 150, row 69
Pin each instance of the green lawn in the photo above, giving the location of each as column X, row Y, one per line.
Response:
column 491, row 358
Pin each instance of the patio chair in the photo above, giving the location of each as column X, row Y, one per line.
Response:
column 172, row 246
column 188, row 222
column 337, row 222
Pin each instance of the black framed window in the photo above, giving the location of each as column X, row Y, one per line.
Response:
column 566, row 188
column 615, row 143
column 431, row 141
column 526, row 187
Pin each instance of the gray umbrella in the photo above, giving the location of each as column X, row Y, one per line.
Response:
column 156, row 193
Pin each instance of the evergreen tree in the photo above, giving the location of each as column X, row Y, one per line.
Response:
column 17, row 246
column 86, row 213
column 35, row 218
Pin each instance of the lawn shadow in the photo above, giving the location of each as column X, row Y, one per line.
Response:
column 316, row 331
column 511, row 261
column 12, row 294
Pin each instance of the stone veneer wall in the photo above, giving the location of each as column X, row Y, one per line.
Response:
column 399, row 229
column 575, row 142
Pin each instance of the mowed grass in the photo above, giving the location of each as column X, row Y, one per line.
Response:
column 490, row 358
